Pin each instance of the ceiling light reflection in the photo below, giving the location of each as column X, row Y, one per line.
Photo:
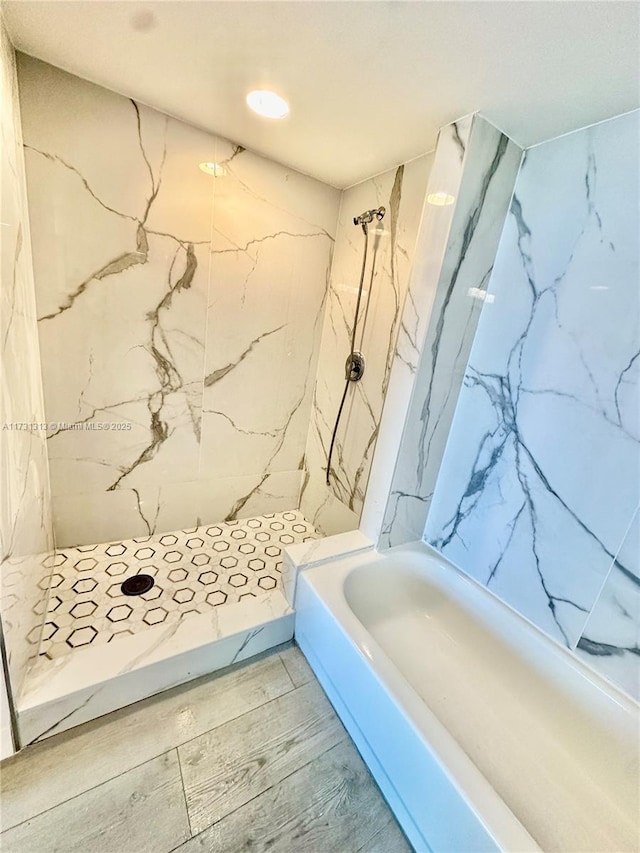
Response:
column 440, row 199
column 214, row 169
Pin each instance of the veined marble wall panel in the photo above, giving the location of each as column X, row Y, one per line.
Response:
column 391, row 246
column 26, row 529
column 540, row 478
column 328, row 514
column 444, row 177
column 610, row 641
column 178, row 306
column 272, row 239
column 487, row 166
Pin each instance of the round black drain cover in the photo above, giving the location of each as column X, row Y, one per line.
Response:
column 137, row 585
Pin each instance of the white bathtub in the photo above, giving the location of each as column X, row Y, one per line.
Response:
column 482, row 733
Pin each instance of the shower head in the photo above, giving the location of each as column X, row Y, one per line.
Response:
column 369, row 216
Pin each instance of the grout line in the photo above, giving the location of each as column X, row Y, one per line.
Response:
column 184, row 792
column 612, row 566
column 205, row 340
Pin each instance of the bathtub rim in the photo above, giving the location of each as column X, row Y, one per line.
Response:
column 422, row 550
column 327, row 578
column 490, row 810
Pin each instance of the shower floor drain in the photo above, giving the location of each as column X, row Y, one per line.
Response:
column 137, row 585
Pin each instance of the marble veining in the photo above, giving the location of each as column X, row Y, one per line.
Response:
column 481, row 180
column 191, row 284
column 444, row 175
column 337, row 508
column 610, row 641
column 26, row 526
column 539, row 482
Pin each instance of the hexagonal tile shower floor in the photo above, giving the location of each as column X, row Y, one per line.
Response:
column 194, row 570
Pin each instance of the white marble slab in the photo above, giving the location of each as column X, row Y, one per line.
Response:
column 92, row 681
column 25, row 505
column 6, row 735
column 296, row 558
column 610, row 641
column 327, row 513
column 391, row 246
column 444, row 177
column 452, row 294
column 124, row 513
column 539, row 481
column 184, row 308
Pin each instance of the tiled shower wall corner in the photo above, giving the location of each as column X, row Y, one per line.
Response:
column 25, row 511
column 538, row 491
column 162, row 295
column 480, row 178
column 401, row 191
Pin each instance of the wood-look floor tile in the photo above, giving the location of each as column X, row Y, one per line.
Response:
column 64, row 766
column 142, row 810
column 331, row 805
column 234, row 763
column 296, row 665
column 390, row 839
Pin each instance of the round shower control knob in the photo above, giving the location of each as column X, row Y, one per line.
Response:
column 354, row 367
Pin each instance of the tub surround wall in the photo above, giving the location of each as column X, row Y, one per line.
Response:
column 539, row 482
column 610, row 641
column 477, row 167
column 163, row 294
column 431, row 242
column 25, row 510
column 391, row 247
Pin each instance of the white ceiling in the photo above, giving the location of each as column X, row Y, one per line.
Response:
column 369, row 83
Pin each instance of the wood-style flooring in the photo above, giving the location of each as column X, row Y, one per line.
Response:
column 252, row 759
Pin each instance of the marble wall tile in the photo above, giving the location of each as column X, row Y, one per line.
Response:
column 610, row 641
column 391, row 245
column 478, row 169
column 323, row 509
column 270, row 250
column 539, row 481
column 444, row 177
column 26, row 528
column 183, row 308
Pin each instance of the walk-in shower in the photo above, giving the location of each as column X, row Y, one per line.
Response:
column 355, row 363
column 169, row 469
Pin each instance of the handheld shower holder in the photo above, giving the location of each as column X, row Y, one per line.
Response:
column 368, row 216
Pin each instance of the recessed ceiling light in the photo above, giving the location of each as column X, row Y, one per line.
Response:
column 214, row 169
column 440, row 199
column 267, row 104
